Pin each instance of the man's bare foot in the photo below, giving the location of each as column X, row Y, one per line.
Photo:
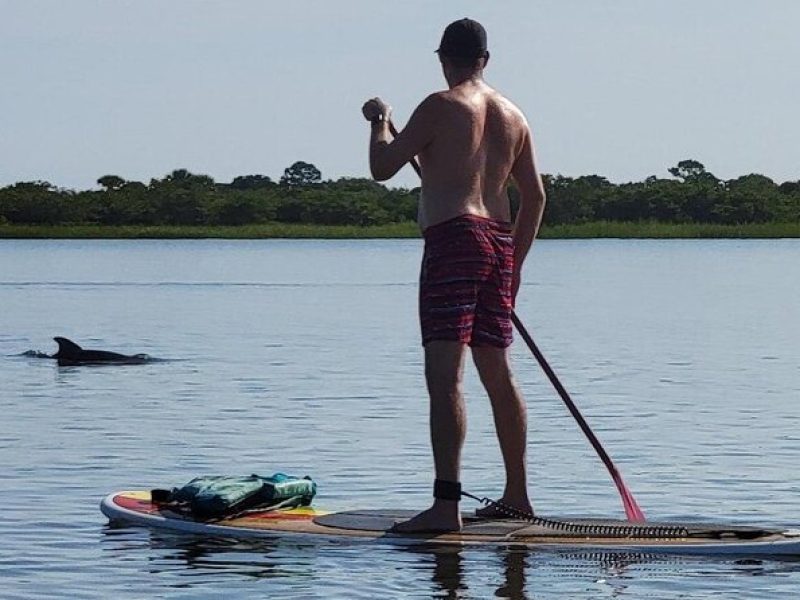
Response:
column 494, row 512
column 442, row 517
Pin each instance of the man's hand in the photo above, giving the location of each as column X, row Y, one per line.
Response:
column 375, row 108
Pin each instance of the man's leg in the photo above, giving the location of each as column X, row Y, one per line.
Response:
column 510, row 421
column 444, row 368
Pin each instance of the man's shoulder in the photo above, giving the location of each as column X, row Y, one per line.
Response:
column 512, row 113
column 437, row 100
column 444, row 102
column 436, row 106
column 506, row 103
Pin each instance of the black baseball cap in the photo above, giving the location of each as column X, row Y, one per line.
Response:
column 464, row 38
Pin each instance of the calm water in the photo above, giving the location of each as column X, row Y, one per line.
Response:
column 304, row 356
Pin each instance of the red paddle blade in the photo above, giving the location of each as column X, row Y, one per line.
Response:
column 632, row 510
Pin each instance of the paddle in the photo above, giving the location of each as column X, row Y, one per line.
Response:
column 632, row 510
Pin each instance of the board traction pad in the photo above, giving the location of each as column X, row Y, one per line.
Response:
column 383, row 520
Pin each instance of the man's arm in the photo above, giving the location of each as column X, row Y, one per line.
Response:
column 531, row 204
column 387, row 156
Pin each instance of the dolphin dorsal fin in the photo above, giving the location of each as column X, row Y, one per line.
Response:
column 66, row 346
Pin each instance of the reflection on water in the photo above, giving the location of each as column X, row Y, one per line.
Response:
column 304, row 357
column 517, row 573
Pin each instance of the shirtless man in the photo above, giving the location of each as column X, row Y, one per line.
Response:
column 469, row 140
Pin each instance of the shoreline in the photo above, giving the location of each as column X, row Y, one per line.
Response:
column 406, row 230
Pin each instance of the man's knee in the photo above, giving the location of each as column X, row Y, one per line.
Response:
column 494, row 368
column 444, row 368
column 442, row 382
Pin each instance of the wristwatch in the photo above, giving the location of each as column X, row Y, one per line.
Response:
column 381, row 118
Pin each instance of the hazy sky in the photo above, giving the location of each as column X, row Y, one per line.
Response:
column 621, row 88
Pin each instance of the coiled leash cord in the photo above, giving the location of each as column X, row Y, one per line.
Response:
column 586, row 529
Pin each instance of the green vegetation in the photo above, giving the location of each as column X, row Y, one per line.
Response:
column 656, row 230
column 692, row 203
column 407, row 229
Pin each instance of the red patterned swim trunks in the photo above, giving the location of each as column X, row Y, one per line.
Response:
column 465, row 284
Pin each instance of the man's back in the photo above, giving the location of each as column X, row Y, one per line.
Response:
column 478, row 136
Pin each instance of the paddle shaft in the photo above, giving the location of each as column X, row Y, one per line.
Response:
column 632, row 510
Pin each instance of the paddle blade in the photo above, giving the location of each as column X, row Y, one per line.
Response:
column 633, row 513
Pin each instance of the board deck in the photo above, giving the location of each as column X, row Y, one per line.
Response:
column 135, row 507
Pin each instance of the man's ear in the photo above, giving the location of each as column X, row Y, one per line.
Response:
column 486, row 58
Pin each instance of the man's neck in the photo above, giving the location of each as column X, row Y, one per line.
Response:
column 456, row 78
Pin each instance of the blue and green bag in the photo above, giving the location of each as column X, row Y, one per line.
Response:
column 219, row 496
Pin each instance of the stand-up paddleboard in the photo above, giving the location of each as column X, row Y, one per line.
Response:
column 136, row 508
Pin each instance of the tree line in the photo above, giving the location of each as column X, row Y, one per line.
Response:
column 691, row 194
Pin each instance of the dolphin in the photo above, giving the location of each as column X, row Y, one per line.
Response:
column 70, row 353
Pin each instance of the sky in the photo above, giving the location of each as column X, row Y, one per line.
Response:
column 623, row 89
